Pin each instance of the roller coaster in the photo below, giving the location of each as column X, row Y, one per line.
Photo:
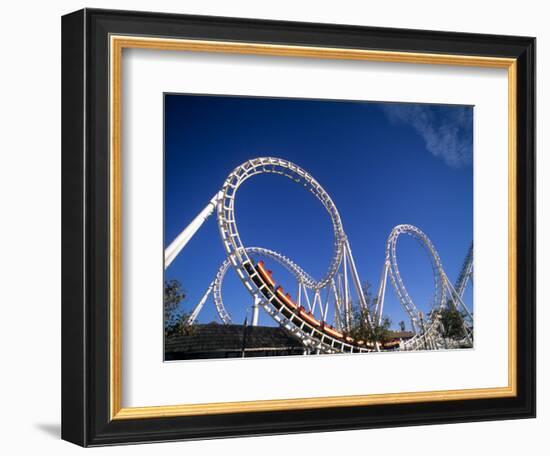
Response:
column 321, row 315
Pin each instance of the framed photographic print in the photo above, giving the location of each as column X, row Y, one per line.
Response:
column 275, row 227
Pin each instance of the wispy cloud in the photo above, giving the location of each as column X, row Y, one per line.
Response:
column 446, row 130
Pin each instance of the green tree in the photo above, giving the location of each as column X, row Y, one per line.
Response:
column 173, row 295
column 370, row 300
column 361, row 328
column 402, row 326
column 452, row 321
column 175, row 319
column 369, row 331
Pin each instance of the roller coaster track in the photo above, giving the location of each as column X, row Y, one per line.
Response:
column 304, row 280
column 215, row 288
column 466, row 273
column 335, row 285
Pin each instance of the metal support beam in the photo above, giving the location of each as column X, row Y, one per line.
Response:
column 382, row 293
column 189, row 231
column 255, row 311
column 200, row 305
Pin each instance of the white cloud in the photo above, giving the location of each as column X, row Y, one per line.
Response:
column 446, row 130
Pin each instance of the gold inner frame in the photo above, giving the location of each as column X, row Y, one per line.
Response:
column 117, row 44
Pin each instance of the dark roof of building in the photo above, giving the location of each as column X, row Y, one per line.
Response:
column 216, row 337
column 402, row 334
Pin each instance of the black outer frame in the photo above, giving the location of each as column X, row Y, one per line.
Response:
column 85, row 227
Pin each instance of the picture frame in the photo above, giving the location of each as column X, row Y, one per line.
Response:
column 92, row 369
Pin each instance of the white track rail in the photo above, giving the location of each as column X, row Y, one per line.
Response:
column 426, row 327
column 315, row 337
column 438, row 300
column 301, row 276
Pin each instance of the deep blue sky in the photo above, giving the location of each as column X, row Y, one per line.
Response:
column 383, row 164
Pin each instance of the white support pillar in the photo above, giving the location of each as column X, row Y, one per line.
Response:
column 189, row 231
column 307, row 299
column 340, row 324
column 255, row 311
column 317, row 300
column 200, row 305
column 325, row 312
column 347, row 306
column 382, row 293
column 357, row 281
